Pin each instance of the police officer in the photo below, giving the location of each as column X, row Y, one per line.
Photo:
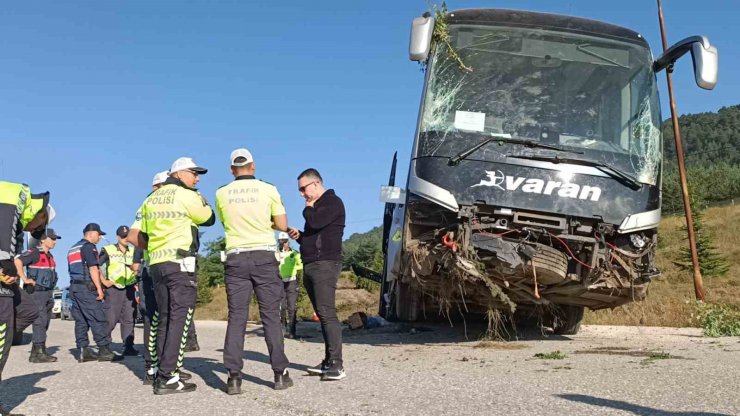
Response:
column 8, row 284
column 148, row 303
column 250, row 210
column 147, row 300
column 116, row 261
column 86, row 291
column 13, row 221
column 290, row 266
column 19, row 210
column 168, row 220
column 40, row 281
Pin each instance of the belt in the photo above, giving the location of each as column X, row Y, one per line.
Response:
column 245, row 249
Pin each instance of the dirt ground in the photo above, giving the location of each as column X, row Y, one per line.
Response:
column 406, row 370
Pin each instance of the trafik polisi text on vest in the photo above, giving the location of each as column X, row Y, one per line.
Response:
column 162, row 197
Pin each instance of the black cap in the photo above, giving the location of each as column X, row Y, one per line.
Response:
column 50, row 233
column 122, row 231
column 92, row 227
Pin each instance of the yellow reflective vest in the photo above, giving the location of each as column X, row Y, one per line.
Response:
column 246, row 207
column 17, row 209
column 118, row 270
column 290, row 264
column 170, row 216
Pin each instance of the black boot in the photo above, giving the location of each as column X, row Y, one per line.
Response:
column 293, row 331
column 43, row 349
column 39, row 355
column 234, row 385
column 283, row 380
column 192, row 344
column 87, row 354
column 183, row 375
column 106, row 354
column 173, row 385
column 35, row 350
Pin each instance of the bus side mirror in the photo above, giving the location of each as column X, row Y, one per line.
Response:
column 392, row 195
column 704, row 55
column 421, row 38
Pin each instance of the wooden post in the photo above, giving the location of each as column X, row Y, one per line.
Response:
column 698, row 284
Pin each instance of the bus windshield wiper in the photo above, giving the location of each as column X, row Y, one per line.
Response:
column 504, row 138
column 604, row 167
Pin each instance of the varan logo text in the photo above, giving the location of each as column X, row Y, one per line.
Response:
column 497, row 179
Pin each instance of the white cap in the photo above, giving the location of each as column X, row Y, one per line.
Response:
column 283, row 236
column 241, row 153
column 160, row 177
column 186, row 163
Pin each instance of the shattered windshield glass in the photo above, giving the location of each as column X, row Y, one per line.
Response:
column 590, row 94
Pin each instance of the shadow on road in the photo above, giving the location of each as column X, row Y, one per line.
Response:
column 629, row 407
column 16, row 390
column 250, row 356
column 214, row 374
column 419, row 333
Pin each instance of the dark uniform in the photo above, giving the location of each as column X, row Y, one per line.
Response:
column 41, row 268
column 19, row 211
column 170, row 217
column 149, row 315
column 121, row 297
column 17, row 312
column 88, row 312
column 247, row 207
column 290, row 266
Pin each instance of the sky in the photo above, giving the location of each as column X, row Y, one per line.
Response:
column 96, row 97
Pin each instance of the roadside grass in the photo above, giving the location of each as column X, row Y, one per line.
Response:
column 670, row 300
column 720, row 320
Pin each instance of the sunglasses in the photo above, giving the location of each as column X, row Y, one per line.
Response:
column 193, row 172
column 303, row 188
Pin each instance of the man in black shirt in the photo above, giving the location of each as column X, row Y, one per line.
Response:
column 321, row 251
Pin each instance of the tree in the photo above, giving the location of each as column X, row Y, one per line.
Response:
column 712, row 152
column 711, row 263
column 364, row 249
column 210, row 270
column 210, row 267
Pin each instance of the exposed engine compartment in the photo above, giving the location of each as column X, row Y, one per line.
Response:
column 484, row 258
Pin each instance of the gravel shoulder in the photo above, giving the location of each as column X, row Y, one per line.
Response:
column 433, row 369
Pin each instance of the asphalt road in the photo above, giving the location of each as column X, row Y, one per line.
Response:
column 432, row 370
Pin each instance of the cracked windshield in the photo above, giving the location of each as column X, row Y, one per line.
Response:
column 595, row 97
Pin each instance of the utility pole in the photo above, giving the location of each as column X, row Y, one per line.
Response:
column 698, row 284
